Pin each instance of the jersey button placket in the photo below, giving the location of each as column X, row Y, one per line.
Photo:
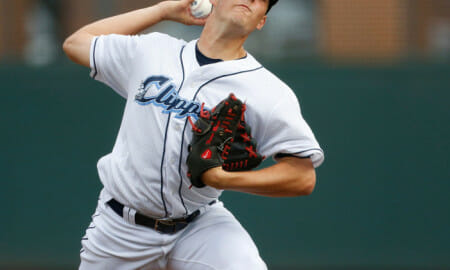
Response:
column 171, row 175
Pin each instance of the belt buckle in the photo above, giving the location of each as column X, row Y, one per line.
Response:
column 166, row 222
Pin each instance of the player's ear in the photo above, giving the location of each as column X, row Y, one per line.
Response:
column 261, row 23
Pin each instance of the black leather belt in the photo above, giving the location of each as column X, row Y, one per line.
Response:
column 161, row 225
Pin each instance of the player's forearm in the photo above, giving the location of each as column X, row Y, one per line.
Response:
column 129, row 23
column 290, row 177
column 77, row 46
column 136, row 21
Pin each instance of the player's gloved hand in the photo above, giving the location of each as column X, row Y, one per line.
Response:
column 221, row 138
column 243, row 155
column 213, row 133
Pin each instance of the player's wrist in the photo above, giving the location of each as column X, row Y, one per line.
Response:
column 178, row 11
column 215, row 177
column 169, row 10
column 165, row 10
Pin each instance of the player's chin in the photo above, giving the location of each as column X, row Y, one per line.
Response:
column 241, row 25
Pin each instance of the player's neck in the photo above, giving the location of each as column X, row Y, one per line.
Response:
column 217, row 43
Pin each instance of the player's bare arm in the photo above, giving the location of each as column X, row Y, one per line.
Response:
column 291, row 176
column 77, row 46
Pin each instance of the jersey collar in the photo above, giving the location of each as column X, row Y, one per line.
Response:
column 216, row 69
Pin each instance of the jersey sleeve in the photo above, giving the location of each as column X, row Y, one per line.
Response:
column 287, row 133
column 113, row 58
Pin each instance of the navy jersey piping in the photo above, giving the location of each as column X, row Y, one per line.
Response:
column 181, row 157
column 312, row 149
column 281, row 155
column 165, row 141
column 162, row 164
column 93, row 59
column 222, row 76
column 195, row 96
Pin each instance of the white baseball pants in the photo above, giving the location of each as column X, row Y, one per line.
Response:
column 215, row 240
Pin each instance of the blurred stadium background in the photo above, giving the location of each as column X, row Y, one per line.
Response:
column 373, row 79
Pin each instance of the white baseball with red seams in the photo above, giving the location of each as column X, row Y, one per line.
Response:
column 201, row 8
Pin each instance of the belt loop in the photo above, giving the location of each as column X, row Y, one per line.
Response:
column 128, row 215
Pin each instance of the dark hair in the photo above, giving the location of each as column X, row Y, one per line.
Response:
column 271, row 4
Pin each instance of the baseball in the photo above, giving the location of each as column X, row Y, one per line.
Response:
column 201, row 8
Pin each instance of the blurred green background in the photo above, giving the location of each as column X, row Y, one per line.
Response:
column 382, row 116
column 382, row 196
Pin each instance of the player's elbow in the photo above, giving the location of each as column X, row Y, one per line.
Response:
column 77, row 47
column 71, row 46
column 68, row 45
column 306, row 182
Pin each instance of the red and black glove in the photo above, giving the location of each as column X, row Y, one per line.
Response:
column 221, row 138
column 243, row 155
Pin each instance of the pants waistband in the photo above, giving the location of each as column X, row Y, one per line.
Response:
column 163, row 225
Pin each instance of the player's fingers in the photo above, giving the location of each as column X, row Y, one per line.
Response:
column 195, row 20
column 187, row 3
column 190, row 19
column 199, row 21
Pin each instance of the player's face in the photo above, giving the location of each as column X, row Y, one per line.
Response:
column 247, row 14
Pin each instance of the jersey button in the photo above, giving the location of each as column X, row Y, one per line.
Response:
column 177, row 127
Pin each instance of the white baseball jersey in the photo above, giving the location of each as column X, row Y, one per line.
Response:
column 164, row 84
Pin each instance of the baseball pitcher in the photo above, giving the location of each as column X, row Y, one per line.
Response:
column 200, row 116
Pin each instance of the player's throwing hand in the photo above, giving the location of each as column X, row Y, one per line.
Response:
column 179, row 11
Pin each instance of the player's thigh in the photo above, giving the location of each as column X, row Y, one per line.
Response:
column 216, row 241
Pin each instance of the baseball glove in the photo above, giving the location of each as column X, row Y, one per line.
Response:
column 243, row 155
column 221, row 138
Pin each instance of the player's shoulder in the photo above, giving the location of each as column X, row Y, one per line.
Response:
column 143, row 42
column 271, row 82
column 269, row 77
column 264, row 76
column 264, row 89
column 160, row 39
